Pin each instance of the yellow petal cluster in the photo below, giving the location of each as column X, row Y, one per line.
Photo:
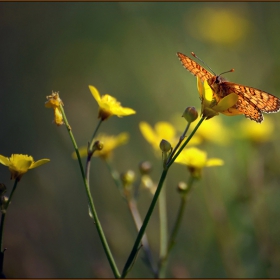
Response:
column 196, row 159
column 255, row 132
column 109, row 106
column 54, row 102
column 19, row 164
column 110, row 142
column 235, row 26
column 214, row 131
column 211, row 106
column 161, row 131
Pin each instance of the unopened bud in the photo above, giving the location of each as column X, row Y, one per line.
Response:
column 128, row 178
column 182, row 187
column 190, row 114
column 98, row 146
column 145, row 167
column 165, row 146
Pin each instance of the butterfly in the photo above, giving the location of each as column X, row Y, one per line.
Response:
column 251, row 102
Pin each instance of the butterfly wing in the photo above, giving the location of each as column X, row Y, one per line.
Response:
column 194, row 67
column 252, row 102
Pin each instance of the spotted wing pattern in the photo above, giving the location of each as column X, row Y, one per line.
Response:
column 252, row 102
column 194, row 67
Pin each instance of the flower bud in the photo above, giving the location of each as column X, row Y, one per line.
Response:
column 165, row 146
column 148, row 184
column 145, row 167
column 128, row 178
column 97, row 146
column 190, row 114
column 182, row 187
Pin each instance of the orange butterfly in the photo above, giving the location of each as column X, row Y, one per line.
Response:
column 251, row 102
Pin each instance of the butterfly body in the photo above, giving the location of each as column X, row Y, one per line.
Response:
column 251, row 102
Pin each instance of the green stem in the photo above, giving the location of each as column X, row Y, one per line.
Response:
column 185, row 143
column 90, row 201
column 135, row 248
column 179, row 142
column 179, row 218
column 132, row 205
column 163, row 228
column 94, row 134
column 137, row 242
column 2, row 227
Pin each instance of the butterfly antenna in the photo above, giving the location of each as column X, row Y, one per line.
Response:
column 194, row 55
column 231, row 70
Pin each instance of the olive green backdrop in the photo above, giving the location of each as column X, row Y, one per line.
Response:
column 128, row 50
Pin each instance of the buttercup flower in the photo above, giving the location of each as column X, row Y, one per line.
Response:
column 211, row 105
column 109, row 144
column 195, row 159
column 54, row 102
column 162, row 130
column 214, row 131
column 233, row 29
column 255, row 132
column 19, row 164
column 109, row 105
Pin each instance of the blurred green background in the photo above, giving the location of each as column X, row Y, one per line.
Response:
column 231, row 226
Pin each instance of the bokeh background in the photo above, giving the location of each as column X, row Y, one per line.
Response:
column 231, row 225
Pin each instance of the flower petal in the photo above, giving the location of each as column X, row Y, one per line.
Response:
column 200, row 87
column 214, row 162
column 208, row 93
column 39, row 162
column 4, row 160
column 226, row 103
column 147, row 132
column 95, row 94
column 121, row 111
column 122, row 138
column 164, row 130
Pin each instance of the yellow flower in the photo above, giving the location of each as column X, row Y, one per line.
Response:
column 162, row 130
column 211, row 105
column 214, row 131
column 19, row 164
column 54, row 102
column 255, row 132
column 109, row 105
column 230, row 25
column 109, row 144
column 195, row 159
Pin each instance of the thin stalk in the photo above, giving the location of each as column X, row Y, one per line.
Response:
column 133, row 209
column 137, row 242
column 94, row 134
column 185, row 143
column 163, row 228
column 135, row 248
column 3, row 216
column 179, row 142
column 90, row 201
column 171, row 242
column 132, row 205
